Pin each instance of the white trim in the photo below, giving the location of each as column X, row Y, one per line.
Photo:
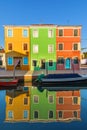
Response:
column 52, row 48
column 7, row 32
column 38, row 99
column 12, row 115
column 37, row 31
column 53, row 114
column 53, row 99
column 37, row 49
column 27, row 32
column 23, row 60
column 27, row 114
column 52, row 33
column 63, row 32
column 38, row 114
column 58, row 100
column 58, row 46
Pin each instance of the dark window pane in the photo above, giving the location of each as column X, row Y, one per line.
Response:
column 35, row 114
column 60, row 60
column 60, row 32
column 10, row 100
column 60, row 46
column 25, row 101
column 50, row 114
column 75, row 32
column 25, row 46
column 60, row 100
column 75, row 100
column 10, row 46
column 35, row 99
column 75, row 114
column 75, row 46
column 60, row 114
column 34, row 63
column 76, row 60
column 50, row 63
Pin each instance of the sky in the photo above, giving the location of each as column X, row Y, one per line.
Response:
column 60, row 12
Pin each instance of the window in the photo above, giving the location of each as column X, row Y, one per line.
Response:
column 25, row 33
column 50, row 33
column 50, row 114
column 60, row 60
column 10, row 61
column 75, row 114
column 25, row 114
column 50, row 99
column 1, row 62
column 36, row 99
column 50, row 48
column 25, row 60
column 60, row 114
column 35, row 114
column 9, row 46
column 10, row 101
column 10, row 33
column 76, row 61
column 35, row 48
column 75, row 100
column 25, row 101
column 10, row 114
column 75, row 47
column 25, row 46
column 34, row 63
column 35, row 33
column 60, row 46
column 50, row 63
column 60, row 100
column 60, row 32
column 75, row 32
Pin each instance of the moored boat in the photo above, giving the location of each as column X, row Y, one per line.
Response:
column 8, row 82
column 62, row 79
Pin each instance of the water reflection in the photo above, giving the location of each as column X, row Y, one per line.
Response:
column 27, row 103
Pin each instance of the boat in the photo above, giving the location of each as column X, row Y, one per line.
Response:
column 67, row 79
column 8, row 82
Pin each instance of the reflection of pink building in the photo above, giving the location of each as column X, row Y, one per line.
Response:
column 2, row 58
column 68, row 105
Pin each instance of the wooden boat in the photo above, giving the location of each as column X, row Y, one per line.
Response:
column 69, row 79
column 8, row 82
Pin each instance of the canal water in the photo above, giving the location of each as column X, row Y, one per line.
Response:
column 27, row 107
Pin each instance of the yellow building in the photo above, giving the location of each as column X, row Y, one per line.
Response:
column 17, row 47
column 18, row 105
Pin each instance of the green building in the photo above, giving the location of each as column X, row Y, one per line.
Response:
column 43, row 105
column 43, row 46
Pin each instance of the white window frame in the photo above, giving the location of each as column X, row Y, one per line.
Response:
column 50, row 33
column 52, row 48
column 38, row 99
column 35, row 33
column 27, row 33
column 37, row 48
column 8, row 30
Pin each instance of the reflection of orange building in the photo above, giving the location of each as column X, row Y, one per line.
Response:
column 17, row 47
column 18, row 105
column 68, row 47
column 68, row 105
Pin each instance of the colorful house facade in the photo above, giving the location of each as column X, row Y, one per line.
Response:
column 43, row 46
column 43, row 105
column 17, row 47
column 68, row 46
column 68, row 105
column 2, row 58
column 18, row 105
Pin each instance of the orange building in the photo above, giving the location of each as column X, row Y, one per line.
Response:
column 17, row 47
column 68, row 39
column 68, row 105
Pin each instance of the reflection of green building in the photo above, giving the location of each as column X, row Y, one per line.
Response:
column 43, row 47
column 43, row 105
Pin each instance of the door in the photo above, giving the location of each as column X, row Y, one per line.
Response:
column 18, row 59
column 67, row 63
column 43, row 64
